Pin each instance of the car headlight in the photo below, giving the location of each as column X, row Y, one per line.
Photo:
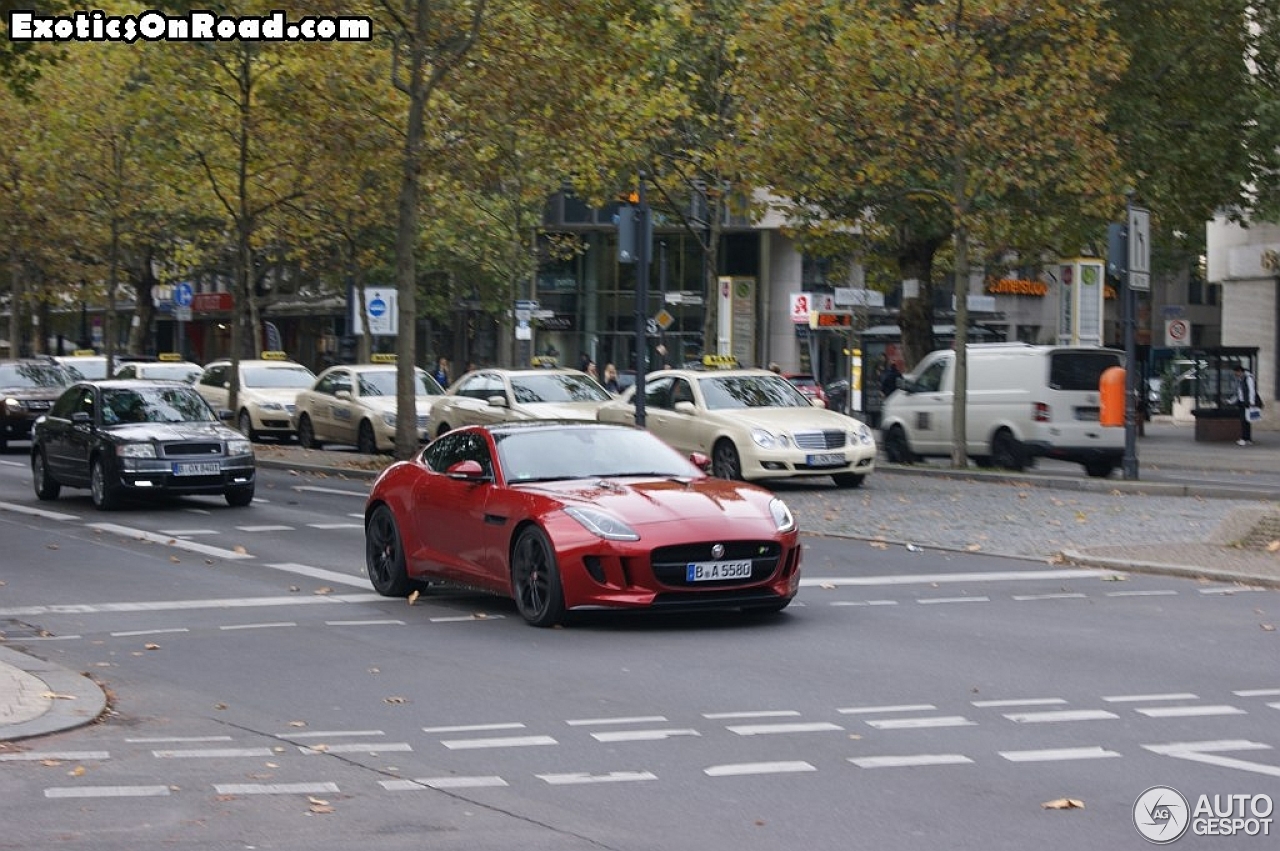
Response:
column 781, row 515
column 862, row 435
column 768, row 440
column 270, row 406
column 600, row 523
column 239, row 447
column 136, row 450
column 12, row 405
column 389, row 420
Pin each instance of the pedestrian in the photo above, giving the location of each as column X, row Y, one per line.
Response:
column 592, row 371
column 441, row 375
column 889, row 379
column 611, row 379
column 1249, row 403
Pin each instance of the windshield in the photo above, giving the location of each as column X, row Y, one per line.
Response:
column 33, row 375
column 383, row 383
column 750, row 391
column 88, row 369
column 185, row 373
column 557, row 387
column 155, row 405
column 584, row 453
column 277, row 377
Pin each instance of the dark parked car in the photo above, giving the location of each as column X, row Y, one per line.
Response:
column 121, row 438
column 27, row 390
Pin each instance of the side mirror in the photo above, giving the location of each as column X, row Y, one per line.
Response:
column 81, row 418
column 702, row 462
column 817, row 403
column 686, row 408
column 226, row 414
column 498, row 401
column 467, row 470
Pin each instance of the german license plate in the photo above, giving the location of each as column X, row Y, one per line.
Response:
column 705, row 571
column 826, row 459
column 204, row 468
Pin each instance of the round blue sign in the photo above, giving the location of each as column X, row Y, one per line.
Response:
column 377, row 307
column 183, row 294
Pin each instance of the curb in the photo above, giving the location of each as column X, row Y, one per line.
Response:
column 79, row 700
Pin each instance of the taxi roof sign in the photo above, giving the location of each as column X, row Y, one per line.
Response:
column 83, row 353
column 275, row 355
column 720, row 361
column 169, row 357
column 382, row 357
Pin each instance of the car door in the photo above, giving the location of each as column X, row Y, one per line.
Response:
column 930, row 421
column 451, row 520
column 343, row 415
column 685, row 429
column 73, row 446
column 213, row 386
column 659, row 418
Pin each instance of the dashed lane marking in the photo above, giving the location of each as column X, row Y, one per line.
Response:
column 338, row 491
column 1058, row 754
column 875, row 710
column 1031, row 701
column 276, row 788
column 776, row 729
column 1188, row 711
column 932, row 578
column 910, row 760
column 178, row 605
column 1258, row 692
column 767, row 713
column 1022, row 598
column 212, row 753
column 423, row 783
column 501, row 742
column 321, row 573
column 634, row 719
column 330, row 734
column 136, row 632
column 929, row 600
column 1145, row 698
column 642, row 735
column 265, row 528
column 36, row 512
column 106, row 792
column 54, row 756
column 744, row 768
column 920, row 723
column 475, row 728
column 274, row 625
column 1060, row 716
column 171, row 541
column 330, row 526
column 575, row 778
column 357, row 747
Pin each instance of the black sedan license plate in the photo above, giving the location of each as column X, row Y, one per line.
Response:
column 203, row 468
column 826, row 459
column 704, row 571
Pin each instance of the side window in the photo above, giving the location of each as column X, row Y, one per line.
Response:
column 215, row 376
column 328, row 384
column 930, row 380
column 66, row 405
column 680, row 392
column 127, row 371
column 471, row 387
column 85, row 403
column 657, row 394
column 460, row 446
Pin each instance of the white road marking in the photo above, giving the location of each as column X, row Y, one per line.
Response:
column 929, row 600
column 136, row 632
column 474, row 728
column 212, row 753
column 481, row 616
column 330, row 526
column 1142, row 593
column 106, row 792
column 905, row 707
column 276, row 788
column 386, row 622
column 189, row 533
column 772, row 729
column 933, row 578
column 864, row 602
column 1274, row 705
column 642, row 735
column 1058, row 754
column 265, row 528
column 1258, row 692
column 50, row 637
column 1143, row 698
column 258, row 625
column 1063, row 715
column 36, row 512
column 169, row 540
column 910, row 761
column 634, row 719
column 56, row 756
column 767, row 713
column 504, row 742
column 330, row 734
column 338, row 491
column 161, row 740
column 742, row 768
column 423, row 783
column 321, row 573
column 1033, row 701
column 920, row 723
column 582, row 777
column 1204, row 752
column 176, row 605
column 1188, row 711
column 13, row 464
column 357, row 747
column 1063, row 596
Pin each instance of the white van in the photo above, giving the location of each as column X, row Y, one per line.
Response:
column 1024, row 402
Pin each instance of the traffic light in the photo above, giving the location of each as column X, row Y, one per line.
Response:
column 625, row 219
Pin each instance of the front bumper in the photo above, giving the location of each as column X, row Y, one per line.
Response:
column 788, row 463
column 160, row 476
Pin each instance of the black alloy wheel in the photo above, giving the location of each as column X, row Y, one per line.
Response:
column 245, row 424
column 725, row 463
column 366, row 443
column 47, row 488
column 306, row 433
column 1007, row 451
column 896, row 448
column 384, row 554
column 239, row 497
column 105, row 493
column 535, row 579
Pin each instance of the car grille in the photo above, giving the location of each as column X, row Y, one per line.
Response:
column 826, row 439
column 188, row 450
column 37, row 404
column 669, row 563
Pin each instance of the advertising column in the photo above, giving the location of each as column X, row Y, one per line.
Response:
column 1081, row 312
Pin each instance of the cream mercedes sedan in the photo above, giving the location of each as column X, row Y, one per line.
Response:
column 752, row 424
column 356, row 405
column 488, row 396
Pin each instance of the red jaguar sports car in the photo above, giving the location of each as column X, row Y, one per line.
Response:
column 574, row 515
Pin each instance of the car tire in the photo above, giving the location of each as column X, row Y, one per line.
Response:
column 848, row 480
column 896, row 447
column 105, row 493
column 366, row 442
column 725, row 461
column 1099, row 469
column 239, row 497
column 444, row 429
column 47, row 488
column 245, row 423
column 384, row 554
column 535, row 579
column 306, row 433
column 1007, row 451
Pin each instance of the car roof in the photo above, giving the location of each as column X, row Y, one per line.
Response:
column 543, row 425
column 710, row 373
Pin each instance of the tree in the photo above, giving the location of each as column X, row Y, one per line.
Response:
column 974, row 119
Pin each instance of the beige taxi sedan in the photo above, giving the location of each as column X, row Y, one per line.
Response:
column 356, row 405
column 752, row 424
column 488, row 396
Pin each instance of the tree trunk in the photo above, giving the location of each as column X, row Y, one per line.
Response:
column 916, row 319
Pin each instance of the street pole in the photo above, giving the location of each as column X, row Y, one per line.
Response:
column 643, row 249
column 1130, row 463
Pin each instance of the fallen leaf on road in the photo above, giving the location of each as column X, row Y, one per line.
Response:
column 78, row 771
column 325, row 589
column 1268, row 627
column 395, row 700
column 219, row 706
column 1273, row 546
column 51, row 546
column 52, row 763
column 827, row 586
column 53, row 695
column 880, row 545
column 1064, row 804
column 1115, row 577
column 239, row 549
column 973, row 548
column 175, row 560
column 151, row 647
column 297, row 723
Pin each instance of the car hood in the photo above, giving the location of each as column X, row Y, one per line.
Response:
column 642, row 501
column 559, row 410
column 282, row 395
column 387, row 404
column 32, row 392
column 787, row 419
column 143, row 432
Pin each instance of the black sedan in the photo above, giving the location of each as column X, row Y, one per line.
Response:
column 123, row 438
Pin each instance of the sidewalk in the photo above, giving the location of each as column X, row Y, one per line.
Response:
column 38, row 698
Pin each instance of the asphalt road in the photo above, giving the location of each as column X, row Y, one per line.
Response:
column 912, row 698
